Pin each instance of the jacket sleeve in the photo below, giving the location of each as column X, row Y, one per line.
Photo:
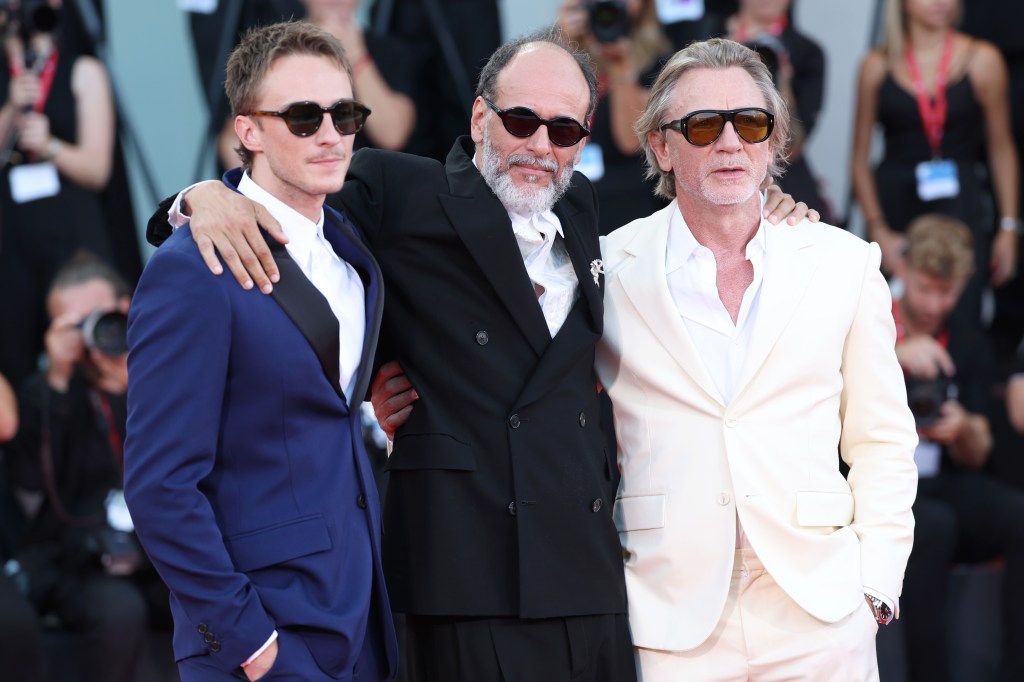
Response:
column 179, row 338
column 878, row 436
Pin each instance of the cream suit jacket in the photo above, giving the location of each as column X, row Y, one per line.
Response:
column 820, row 379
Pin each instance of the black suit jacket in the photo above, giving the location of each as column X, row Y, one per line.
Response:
column 500, row 494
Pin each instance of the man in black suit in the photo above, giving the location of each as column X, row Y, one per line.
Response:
column 499, row 544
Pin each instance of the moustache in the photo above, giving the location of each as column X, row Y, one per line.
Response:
column 527, row 160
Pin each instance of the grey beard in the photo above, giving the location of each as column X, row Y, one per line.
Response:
column 516, row 199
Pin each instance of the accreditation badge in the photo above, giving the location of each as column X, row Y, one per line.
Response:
column 937, row 179
column 591, row 162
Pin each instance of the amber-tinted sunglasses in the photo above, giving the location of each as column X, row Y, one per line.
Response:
column 304, row 118
column 522, row 122
column 701, row 128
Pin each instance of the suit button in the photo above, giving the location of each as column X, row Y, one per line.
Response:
column 215, row 647
column 583, row 419
column 482, row 338
column 512, row 507
column 202, row 628
column 208, row 637
column 514, row 421
column 361, row 501
column 595, row 506
column 723, row 499
column 731, row 422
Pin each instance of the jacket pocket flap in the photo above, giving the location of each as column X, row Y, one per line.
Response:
column 278, row 544
column 823, row 508
column 640, row 512
column 431, row 451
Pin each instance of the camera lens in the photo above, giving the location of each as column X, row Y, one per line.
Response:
column 608, row 20
column 106, row 332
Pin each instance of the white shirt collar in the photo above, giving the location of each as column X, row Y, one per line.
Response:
column 682, row 243
column 301, row 231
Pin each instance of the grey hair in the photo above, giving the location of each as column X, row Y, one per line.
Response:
column 487, row 83
column 716, row 53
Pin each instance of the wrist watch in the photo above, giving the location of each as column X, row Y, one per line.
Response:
column 881, row 610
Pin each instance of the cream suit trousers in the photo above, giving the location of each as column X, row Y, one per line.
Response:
column 763, row 636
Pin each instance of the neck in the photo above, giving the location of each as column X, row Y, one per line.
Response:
column 753, row 24
column 911, row 326
column 925, row 39
column 723, row 229
column 308, row 206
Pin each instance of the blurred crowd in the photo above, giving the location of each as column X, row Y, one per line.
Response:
column 943, row 87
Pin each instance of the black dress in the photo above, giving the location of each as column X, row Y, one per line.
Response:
column 38, row 237
column 962, row 142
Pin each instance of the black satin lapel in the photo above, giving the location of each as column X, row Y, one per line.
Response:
column 488, row 236
column 311, row 313
column 583, row 262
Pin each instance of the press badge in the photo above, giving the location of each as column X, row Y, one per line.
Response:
column 937, row 180
column 33, row 181
column 591, row 162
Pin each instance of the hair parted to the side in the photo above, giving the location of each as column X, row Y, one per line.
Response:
column 940, row 246
column 257, row 51
column 84, row 267
column 487, row 83
column 716, row 53
column 894, row 27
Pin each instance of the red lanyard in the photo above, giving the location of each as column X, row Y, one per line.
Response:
column 933, row 113
column 46, row 75
column 113, row 435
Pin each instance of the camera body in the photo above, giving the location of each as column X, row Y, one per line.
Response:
column 609, row 20
column 926, row 397
column 769, row 48
column 105, row 331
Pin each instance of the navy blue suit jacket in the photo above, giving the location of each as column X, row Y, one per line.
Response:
column 244, row 467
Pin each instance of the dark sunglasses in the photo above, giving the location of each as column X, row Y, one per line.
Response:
column 304, row 118
column 701, row 128
column 522, row 122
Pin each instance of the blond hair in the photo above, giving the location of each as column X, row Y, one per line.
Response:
column 940, row 246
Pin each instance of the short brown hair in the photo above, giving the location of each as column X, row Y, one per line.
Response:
column 940, row 246
column 257, row 51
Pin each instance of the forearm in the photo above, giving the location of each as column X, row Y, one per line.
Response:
column 87, row 167
column 1005, row 167
column 394, row 115
column 8, row 411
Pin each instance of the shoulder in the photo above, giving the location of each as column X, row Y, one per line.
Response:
column 614, row 244
column 87, row 75
column 985, row 63
column 873, row 67
column 374, row 161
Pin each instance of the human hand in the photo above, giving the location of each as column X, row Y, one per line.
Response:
column 952, row 418
column 893, row 246
column 64, row 349
column 392, row 396
column 23, row 91
column 779, row 205
column 35, row 134
column 262, row 664
column 1003, row 262
column 922, row 357
column 112, row 372
column 573, row 20
column 225, row 222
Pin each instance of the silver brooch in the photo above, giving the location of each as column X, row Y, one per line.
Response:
column 597, row 269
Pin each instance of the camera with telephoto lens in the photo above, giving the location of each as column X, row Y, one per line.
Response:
column 105, row 331
column 609, row 20
column 926, row 397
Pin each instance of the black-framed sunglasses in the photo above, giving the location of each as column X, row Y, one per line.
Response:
column 304, row 118
column 522, row 122
column 701, row 128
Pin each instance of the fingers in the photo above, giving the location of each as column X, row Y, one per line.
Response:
column 388, row 370
column 390, row 425
column 229, row 254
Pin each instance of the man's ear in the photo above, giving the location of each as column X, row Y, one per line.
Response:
column 656, row 139
column 477, row 121
column 249, row 133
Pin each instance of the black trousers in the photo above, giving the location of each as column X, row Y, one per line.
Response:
column 571, row 649
column 21, row 638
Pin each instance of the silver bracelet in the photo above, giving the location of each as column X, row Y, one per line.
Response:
column 1009, row 224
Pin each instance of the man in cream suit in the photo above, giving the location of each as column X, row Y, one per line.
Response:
column 740, row 357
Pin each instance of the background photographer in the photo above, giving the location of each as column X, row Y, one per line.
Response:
column 963, row 513
column 628, row 45
column 68, row 452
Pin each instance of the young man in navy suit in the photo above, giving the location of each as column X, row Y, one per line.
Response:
column 244, row 466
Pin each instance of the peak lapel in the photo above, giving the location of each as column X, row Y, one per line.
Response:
column 645, row 284
column 788, row 265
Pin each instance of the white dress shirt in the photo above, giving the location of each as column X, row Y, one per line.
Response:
column 691, row 272
column 542, row 246
column 333, row 277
